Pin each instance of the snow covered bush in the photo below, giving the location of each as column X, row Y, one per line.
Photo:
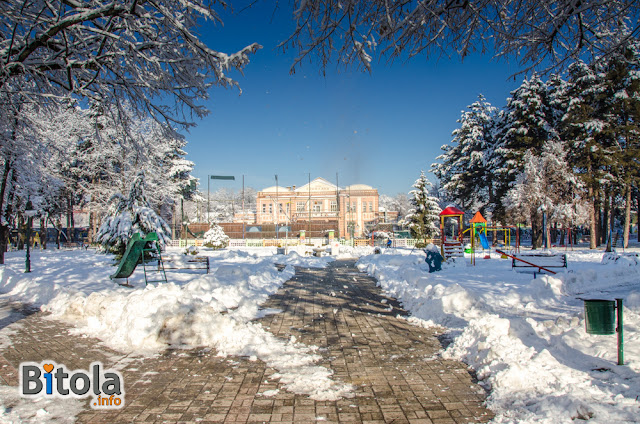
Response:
column 216, row 238
column 129, row 215
column 190, row 250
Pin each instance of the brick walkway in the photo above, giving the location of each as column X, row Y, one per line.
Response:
column 395, row 367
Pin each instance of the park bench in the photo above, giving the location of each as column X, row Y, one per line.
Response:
column 191, row 262
column 74, row 245
column 538, row 263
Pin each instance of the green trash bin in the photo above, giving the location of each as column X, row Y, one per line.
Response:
column 600, row 316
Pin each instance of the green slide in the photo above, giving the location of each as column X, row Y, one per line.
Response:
column 132, row 255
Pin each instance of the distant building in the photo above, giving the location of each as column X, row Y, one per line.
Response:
column 351, row 209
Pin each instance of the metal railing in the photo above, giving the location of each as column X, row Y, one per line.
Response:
column 400, row 242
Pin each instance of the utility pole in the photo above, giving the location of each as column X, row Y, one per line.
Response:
column 214, row 177
column 277, row 208
column 242, row 206
column 309, row 224
column 338, row 203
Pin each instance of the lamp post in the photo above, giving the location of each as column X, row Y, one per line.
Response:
column 30, row 213
column 215, row 177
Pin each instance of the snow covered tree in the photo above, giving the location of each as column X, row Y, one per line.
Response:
column 422, row 220
column 535, row 33
column 399, row 203
column 146, row 53
column 129, row 215
column 465, row 171
column 216, row 238
column 525, row 126
column 621, row 109
column 547, row 183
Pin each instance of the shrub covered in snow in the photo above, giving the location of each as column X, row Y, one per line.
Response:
column 190, row 250
column 216, row 238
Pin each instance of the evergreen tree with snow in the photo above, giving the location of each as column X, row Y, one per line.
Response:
column 465, row 171
column 526, row 126
column 216, row 238
column 422, row 220
column 129, row 215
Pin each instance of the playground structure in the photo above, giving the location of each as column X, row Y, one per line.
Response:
column 135, row 254
column 452, row 245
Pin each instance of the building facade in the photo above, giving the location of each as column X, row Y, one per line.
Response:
column 351, row 209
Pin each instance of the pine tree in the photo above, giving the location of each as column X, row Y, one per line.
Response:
column 525, row 127
column 422, row 220
column 129, row 215
column 465, row 169
column 621, row 98
column 584, row 129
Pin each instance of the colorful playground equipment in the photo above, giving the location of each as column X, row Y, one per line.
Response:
column 135, row 254
column 452, row 245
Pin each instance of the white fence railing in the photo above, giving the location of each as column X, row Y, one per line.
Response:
column 400, row 242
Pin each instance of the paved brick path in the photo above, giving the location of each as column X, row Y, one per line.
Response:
column 398, row 375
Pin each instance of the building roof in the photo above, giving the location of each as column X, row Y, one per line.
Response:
column 279, row 189
column 318, row 184
column 359, row 187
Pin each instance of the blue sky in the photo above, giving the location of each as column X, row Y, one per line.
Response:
column 379, row 129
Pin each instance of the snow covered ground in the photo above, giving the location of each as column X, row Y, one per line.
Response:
column 193, row 309
column 525, row 337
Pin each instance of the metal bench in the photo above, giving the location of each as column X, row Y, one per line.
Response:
column 538, row 263
column 194, row 262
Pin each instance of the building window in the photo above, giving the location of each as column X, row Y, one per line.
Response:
column 334, row 206
column 317, row 206
column 270, row 209
column 300, row 206
column 264, row 208
column 370, row 206
column 354, row 207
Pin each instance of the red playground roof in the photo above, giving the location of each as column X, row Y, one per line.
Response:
column 451, row 210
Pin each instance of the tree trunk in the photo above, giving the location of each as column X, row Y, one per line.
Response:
column 627, row 216
column 604, row 219
column 91, row 232
column 43, row 233
column 4, row 229
column 638, row 214
column 609, row 223
column 4, row 237
column 536, row 232
column 593, row 236
column 70, row 222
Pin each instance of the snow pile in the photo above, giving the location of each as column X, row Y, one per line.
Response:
column 525, row 337
column 214, row 309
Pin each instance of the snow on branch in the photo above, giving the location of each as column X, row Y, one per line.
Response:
column 108, row 51
column 533, row 32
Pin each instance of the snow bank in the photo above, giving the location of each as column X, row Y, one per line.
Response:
column 525, row 337
column 193, row 309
